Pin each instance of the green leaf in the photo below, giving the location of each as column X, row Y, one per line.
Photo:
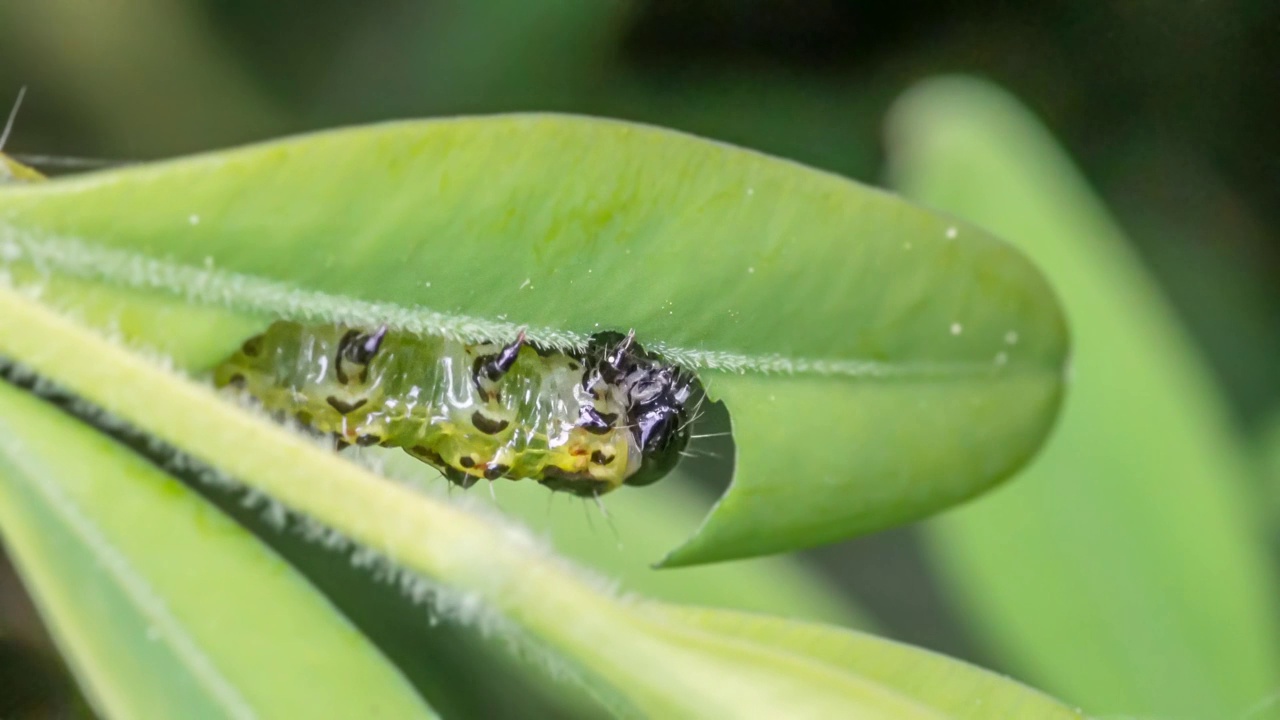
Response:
column 859, row 342
column 1125, row 570
column 640, row 526
column 161, row 604
column 954, row 689
column 638, row 662
column 457, row 668
column 1271, row 461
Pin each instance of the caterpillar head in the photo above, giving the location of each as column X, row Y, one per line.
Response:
column 656, row 395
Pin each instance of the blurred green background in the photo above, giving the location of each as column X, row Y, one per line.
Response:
column 1168, row 108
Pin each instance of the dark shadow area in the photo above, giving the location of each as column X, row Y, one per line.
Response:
column 34, row 684
column 711, row 454
column 890, row 576
column 31, row 684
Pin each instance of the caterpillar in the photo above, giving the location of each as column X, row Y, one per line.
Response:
column 584, row 422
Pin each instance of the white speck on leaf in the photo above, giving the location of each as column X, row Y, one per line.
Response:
column 956, row 328
column 194, row 219
column 527, row 283
column 751, row 270
column 1011, row 337
column 1002, row 357
column 952, row 232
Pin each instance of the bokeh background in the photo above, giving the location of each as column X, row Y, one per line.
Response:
column 1169, row 108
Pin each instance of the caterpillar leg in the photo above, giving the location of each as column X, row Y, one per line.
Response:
column 341, row 442
column 459, row 478
column 433, row 458
column 578, row 484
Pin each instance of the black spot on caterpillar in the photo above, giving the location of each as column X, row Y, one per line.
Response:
column 584, row 422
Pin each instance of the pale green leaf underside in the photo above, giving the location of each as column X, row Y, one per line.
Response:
column 1270, row 443
column 1125, row 570
column 649, row 665
column 162, row 605
column 863, row 345
column 955, row 689
column 634, row 528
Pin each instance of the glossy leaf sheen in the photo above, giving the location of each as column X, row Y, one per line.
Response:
column 893, row 320
column 1125, row 570
column 162, row 605
column 638, row 661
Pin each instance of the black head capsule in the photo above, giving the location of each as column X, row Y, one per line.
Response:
column 661, row 429
column 657, row 396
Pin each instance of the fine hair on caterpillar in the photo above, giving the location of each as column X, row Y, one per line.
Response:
column 579, row 421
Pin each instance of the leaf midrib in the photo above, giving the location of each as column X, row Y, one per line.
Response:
column 269, row 298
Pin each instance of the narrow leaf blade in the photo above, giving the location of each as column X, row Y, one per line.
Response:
column 163, row 606
column 954, row 689
column 1125, row 570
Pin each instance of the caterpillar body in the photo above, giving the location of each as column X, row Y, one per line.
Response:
column 584, row 422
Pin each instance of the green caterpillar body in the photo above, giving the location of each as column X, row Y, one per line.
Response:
column 582, row 422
